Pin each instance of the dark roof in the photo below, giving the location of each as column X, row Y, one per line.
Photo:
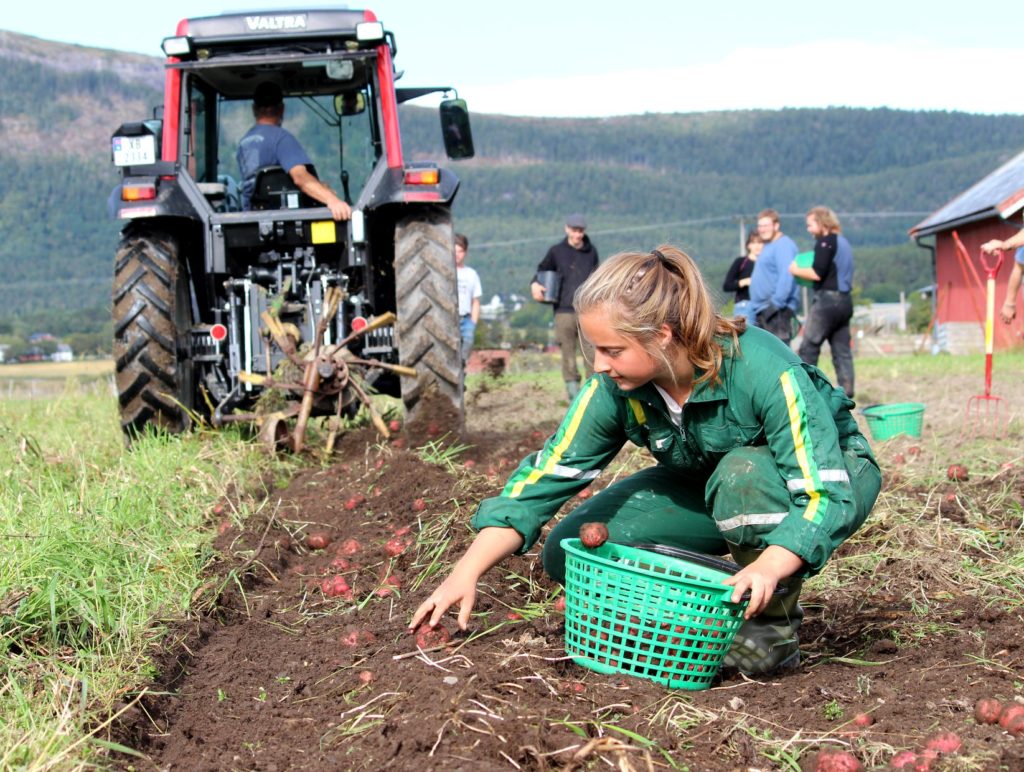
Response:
column 1000, row 194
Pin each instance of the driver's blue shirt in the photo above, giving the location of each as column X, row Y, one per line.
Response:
column 266, row 145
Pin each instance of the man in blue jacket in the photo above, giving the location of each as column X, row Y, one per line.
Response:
column 773, row 290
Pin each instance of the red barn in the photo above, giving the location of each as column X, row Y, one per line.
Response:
column 990, row 209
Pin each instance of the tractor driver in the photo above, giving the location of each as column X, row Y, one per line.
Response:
column 268, row 144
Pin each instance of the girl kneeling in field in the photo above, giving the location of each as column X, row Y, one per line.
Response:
column 757, row 453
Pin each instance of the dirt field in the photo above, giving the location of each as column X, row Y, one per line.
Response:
column 270, row 674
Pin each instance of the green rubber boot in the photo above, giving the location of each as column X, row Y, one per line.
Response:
column 768, row 642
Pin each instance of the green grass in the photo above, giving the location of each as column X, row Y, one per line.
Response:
column 98, row 542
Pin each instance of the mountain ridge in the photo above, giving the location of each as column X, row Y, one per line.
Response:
column 685, row 178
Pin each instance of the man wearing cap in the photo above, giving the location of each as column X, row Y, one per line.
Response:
column 573, row 259
column 268, row 144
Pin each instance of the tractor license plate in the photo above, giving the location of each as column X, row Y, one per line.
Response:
column 134, row 151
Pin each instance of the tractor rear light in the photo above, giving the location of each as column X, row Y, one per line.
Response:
column 359, row 323
column 370, row 32
column 138, row 192
column 177, row 46
column 218, row 332
column 422, row 176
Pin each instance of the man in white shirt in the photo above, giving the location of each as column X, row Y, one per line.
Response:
column 469, row 296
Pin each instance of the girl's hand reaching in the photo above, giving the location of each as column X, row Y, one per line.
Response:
column 457, row 588
column 762, row 577
column 490, row 546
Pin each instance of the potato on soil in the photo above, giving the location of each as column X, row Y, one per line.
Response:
column 418, row 505
column 355, row 638
column 1012, row 712
column 1015, row 726
column 366, row 676
column 394, row 425
column 389, row 585
column 987, row 710
column 560, row 604
column 349, row 547
column 336, row 587
column 396, row 545
column 318, row 541
column 836, row 761
column 944, row 742
column 355, row 501
column 904, row 760
column 593, row 534
column 957, row 473
column 862, row 720
column 427, row 637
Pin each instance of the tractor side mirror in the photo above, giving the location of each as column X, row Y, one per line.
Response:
column 350, row 103
column 458, row 138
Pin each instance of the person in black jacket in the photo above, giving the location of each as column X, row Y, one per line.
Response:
column 573, row 259
column 738, row 278
column 832, row 307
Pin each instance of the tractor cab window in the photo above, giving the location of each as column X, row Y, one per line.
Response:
column 360, row 147
column 331, row 108
column 342, row 147
column 200, row 127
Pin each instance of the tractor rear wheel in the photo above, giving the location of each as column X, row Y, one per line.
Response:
column 152, row 322
column 428, row 317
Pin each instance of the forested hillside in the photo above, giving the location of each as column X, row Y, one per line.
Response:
column 641, row 180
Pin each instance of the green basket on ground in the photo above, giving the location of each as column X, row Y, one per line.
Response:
column 653, row 616
column 888, row 421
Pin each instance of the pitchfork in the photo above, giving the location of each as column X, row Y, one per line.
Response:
column 985, row 413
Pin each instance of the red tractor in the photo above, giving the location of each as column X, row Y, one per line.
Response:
column 214, row 303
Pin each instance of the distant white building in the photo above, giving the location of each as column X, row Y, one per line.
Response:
column 3, row 352
column 63, row 353
column 496, row 308
column 881, row 317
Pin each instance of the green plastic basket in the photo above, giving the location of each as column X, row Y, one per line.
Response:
column 804, row 260
column 657, row 617
column 887, row 421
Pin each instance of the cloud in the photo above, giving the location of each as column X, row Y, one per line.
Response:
column 911, row 76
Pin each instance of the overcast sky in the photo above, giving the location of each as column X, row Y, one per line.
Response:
column 578, row 58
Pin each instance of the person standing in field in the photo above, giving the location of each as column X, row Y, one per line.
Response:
column 737, row 280
column 773, row 291
column 574, row 258
column 757, row 453
column 470, row 290
column 1008, row 311
column 832, row 306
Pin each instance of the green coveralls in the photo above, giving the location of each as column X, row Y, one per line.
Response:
column 769, row 455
